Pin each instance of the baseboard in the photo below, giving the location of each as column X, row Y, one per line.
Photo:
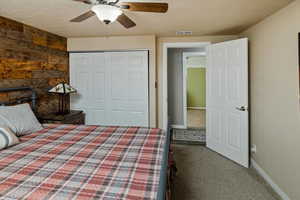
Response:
column 268, row 179
column 178, row 126
column 197, row 108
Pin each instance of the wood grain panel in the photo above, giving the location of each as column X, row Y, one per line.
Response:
column 32, row 57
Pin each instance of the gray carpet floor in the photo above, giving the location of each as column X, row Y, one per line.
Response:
column 205, row 175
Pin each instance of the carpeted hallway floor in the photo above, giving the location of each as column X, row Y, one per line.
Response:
column 205, row 175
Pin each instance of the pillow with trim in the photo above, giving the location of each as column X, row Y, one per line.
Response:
column 7, row 138
column 20, row 119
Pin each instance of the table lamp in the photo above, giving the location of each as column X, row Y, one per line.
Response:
column 63, row 90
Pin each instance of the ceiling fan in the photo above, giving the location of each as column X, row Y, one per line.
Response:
column 109, row 11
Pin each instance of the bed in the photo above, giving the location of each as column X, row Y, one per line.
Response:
column 85, row 162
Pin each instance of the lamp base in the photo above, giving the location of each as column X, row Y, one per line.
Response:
column 62, row 106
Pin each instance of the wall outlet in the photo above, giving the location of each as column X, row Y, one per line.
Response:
column 253, row 148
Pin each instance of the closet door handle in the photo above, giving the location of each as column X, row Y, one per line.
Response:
column 242, row 108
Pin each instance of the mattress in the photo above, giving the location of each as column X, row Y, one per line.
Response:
column 84, row 162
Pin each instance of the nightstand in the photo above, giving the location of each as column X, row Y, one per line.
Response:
column 74, row 117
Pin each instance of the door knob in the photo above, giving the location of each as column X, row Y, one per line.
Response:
column 242, row 108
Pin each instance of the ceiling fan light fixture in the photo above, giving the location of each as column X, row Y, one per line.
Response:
column 107, row 13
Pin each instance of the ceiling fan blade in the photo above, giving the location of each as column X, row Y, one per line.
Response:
column 84, row 1
column 126, row 21
column 145, row 7
column 83, row 16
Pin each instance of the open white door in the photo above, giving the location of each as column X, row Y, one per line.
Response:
column 227, row 100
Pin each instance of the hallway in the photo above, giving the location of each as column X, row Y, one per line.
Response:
column 196, row 118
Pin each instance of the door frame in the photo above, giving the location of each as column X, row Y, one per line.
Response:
column 184, row 78
column 166, row 46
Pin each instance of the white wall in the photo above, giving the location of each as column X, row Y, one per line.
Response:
column 196, row 61
column 275, row 110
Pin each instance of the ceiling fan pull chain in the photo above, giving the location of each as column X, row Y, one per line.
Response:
column 106, row 2
column 102, row 1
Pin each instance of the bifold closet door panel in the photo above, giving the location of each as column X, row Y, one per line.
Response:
column 88, row 74
column 112, row 87
column 129, row 88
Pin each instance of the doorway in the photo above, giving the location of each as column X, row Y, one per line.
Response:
column 194, row 89
column 166, row 121
column 185, row 103
column 227, row 114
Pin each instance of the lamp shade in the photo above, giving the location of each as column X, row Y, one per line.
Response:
column 107, row 13
column 63, row 88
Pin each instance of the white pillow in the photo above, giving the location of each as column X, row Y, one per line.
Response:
column 20, row 119
column 7, row 138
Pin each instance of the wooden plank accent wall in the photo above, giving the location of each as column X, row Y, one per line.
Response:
column 32, row 57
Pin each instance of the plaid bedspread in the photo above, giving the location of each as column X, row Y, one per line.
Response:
column 83, row 162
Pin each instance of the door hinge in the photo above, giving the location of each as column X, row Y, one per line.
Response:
column 156, row 84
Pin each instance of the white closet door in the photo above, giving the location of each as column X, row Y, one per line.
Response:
column 128, row 85
column 112, row 87
column 88, row 73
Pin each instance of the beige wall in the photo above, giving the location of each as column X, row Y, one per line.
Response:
column 142, row 42
column 275, row 112
column 124, row 43
column 160, row 42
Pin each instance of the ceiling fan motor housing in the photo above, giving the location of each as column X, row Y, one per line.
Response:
column 107, row 13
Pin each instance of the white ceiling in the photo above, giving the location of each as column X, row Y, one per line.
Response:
column 203, row 17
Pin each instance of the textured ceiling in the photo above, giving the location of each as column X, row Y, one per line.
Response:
column 203, row 17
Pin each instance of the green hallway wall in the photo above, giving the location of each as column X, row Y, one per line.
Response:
column 196, row 87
